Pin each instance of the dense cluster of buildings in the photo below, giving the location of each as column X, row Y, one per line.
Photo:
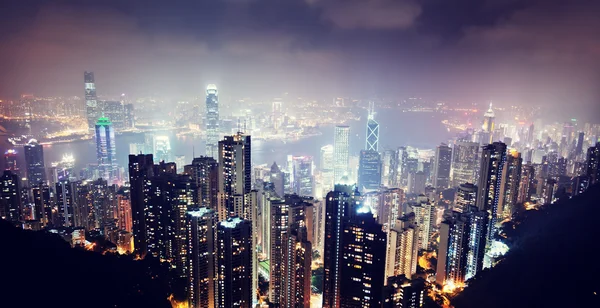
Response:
column 221, row 222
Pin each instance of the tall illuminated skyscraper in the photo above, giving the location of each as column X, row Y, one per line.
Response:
column 510, row 184
column 488, row 126
column 10, row 197
column 592, row 164
column 34, row 158
column 341, row 148
column 326, row 166
column 91, row 103
column 302, row 175
column 441, row 167
column 493, row 158
column 212, row 121
column 466, row 197
column 369, row 171
column 106, row 149
column 372, row 130
column 465, row 162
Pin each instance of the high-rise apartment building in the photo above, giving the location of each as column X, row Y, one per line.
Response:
column 403, row 247
column 205, row 173
column 212, row 121
column 510, row 184
column 592, row 163
column 493, row 158
column 141, row 169
column 424, row 210
column 234, row 175
column 234, row 263
column 401, row 292
column 466, row 197
column 201, row 249
column 10, row 197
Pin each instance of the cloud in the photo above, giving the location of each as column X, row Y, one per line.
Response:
column 369, row 14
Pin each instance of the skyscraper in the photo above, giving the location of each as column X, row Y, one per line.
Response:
column 488, row 125
column 341, row 154
column 201, row 248
column 10, row 162
column 162, row 149
column 527, row 185
column 401, row 292
column 91, row 103
column 369, row 170
column 465, row 162
column 234, row 175
column 327, row 166
column 424, row 210
column 234, row 263
column 302, row 175
column 441, row 166
column 362, row 261
column 279, row 229
column 212, row 121
column 510, row 184
column 372, row 141
column 10, row 197
column 493, row 158
column 34, row 158
column 141, row 168
column 106, row 149
column 42, row 203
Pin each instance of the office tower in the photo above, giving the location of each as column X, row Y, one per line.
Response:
column 489, row 123
column 369, row 171
column 403, row 247
column 462, row 247
column 91, row 103
column 234, row 175
column 402, row 168
column 389, row 168
column 10, row 162
column 124, row 210
column 201, row 226
column 493, row 158
column 390, row 206
column 277, row 177
column 548, row 191
column 509, row 189
column 234, row 263
column 416, row 182
column 527, row 185
column 212, row 121
column 441, row 167
column 401, row 292
column 579, row 145
column 162, row 149
column 466, row 197
column 205, row 173
column 465, row 161
column 106, row 149
column 592, row 161
column 66, row 196
column 424, row 210
column 372, row 130
column 363, row 261
column 338, row 204
column 326, row 167
column 10, row 197
column 129, row 116
column 180, row 163
column 341, row 154
column 141, row 168
column 302, row 175
column 114, row 111
column 276, row 114
column 34, row 158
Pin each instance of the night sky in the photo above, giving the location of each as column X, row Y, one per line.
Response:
column 544, row 52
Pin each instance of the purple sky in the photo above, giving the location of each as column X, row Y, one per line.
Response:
column 544, row 52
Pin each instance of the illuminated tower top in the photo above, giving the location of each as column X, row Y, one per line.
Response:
column 488, row 120
column 212, row 89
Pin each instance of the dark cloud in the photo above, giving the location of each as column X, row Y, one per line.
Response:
column 514, row 51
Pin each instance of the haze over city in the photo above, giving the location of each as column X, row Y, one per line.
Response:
column 299, row 153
